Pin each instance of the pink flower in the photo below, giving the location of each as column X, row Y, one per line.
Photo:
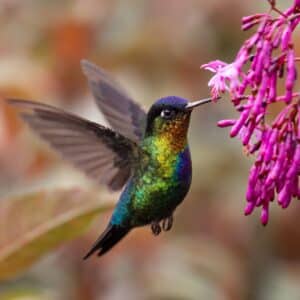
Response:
column 267, row 57
column 225, row 79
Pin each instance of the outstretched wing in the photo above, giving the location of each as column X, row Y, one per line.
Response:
column 100, row 152
column 123, row 113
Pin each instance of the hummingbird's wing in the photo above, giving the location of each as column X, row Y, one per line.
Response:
column 123, row 113
column 100, row 152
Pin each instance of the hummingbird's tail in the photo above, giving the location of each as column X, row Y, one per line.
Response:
column 111, row 235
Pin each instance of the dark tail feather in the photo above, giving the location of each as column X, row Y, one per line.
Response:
column 112, row 235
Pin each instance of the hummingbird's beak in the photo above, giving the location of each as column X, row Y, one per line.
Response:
column 192, row 105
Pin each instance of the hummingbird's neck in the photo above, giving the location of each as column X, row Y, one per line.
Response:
column 170, row 136
column 167, row 142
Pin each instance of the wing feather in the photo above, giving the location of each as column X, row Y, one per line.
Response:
column 123, row 113
column 102, row 154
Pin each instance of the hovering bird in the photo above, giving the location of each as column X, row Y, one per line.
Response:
column 146, row 152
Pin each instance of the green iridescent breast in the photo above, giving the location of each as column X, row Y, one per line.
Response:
column 162, row 183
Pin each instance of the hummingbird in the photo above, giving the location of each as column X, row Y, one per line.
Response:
column 145, row 154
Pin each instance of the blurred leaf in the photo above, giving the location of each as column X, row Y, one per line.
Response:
column 32, row 225
column 24, row 294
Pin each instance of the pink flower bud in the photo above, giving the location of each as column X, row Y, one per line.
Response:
column 277, row 39
column 264, row 217
column 274, row 173
column 273, row 88
column 249, row 25
column 249, row 208
column 291, row 75
column 226, row 123
column 253, row 174
column 270, row 146
column 239, row 123
column 252, row 18
column 249, row 132
column 295, row 165
column 258, row 103
column 285, row 196
column 285, row 38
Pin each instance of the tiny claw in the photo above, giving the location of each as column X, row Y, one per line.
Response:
column 155, row 227
column 167, row 223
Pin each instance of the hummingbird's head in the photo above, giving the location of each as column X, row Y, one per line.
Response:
column 170, row 116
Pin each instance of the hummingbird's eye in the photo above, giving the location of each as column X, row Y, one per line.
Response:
column 167, row 113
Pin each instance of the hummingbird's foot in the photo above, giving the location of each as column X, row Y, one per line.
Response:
column 155, row 227
column 167, row 223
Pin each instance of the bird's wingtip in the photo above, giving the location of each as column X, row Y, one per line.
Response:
column 11, row 101
column 84, row 62
column 86, row 65
column 89, row 69
column 16, row 102
column 24, row 104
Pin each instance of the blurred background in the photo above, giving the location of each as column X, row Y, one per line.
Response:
column 154, row 48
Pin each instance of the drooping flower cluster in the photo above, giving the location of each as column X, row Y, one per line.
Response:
column 252, row 79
